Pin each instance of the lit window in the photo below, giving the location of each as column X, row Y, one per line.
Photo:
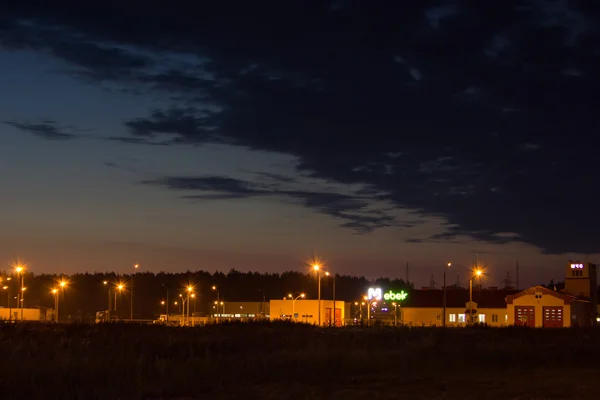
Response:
column 461, row 318
column 506, row 318
column 452, row 317
column 482, row 318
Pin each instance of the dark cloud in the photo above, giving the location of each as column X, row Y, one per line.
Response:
column 46, row 129
column 136, row 140
column 458, row 109
column 354, row 210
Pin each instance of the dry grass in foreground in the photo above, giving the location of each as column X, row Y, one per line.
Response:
column 289, row 361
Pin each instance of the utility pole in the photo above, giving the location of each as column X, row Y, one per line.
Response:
column 444, row 311
column 135, row 267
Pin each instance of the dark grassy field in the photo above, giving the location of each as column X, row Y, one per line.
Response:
column 286, row 361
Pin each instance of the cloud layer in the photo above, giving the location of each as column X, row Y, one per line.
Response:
column 485, row 115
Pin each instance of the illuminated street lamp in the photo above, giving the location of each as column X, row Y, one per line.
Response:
column 135, row 267
column 19, row 269
column 291, row 296
column 189, row 290
column 8, row 298
column 167, row 302
column 332, row 317
column 476, row 274
column 395, row 314
column 119, row 288
column 62, row 285
column 444, row 313
column 215, row 289
column 55, row 293
column 369, row 304
column 317, row 270
column 105, row 283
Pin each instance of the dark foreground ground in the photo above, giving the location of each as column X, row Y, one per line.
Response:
column 284, row 361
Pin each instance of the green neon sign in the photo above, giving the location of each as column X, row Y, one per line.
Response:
column 391, row 296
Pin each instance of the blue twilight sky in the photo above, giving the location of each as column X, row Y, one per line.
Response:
column 254, row 136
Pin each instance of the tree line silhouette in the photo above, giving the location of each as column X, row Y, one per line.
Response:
column 86, row 293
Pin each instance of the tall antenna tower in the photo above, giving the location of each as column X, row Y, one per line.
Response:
column 508, row 283
column 432, row 282
column 517, row 278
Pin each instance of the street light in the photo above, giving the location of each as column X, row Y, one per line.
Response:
column 476, row 274
column 167, row 289
column 369, row 304
column 317, row 269
column 332, row 316
column 105, row 283
column 395, row 314
column 215, row 289
column 62, row 284
column 20, row 274
column 55, row 293
column 291, row 296
column 444, row 314
column 135, row 267
column 8, row 298
column 9, row 305
column 189, row 289
column 118, row 290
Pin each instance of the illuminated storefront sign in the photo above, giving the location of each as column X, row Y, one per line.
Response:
column 374, row 294
column 576, row 266
column 377, row 294
column 395, row 296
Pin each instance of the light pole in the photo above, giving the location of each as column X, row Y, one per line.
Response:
column 135, row 267
column 189, row 292
column 194, row 309
column 444, row 313
column 118, row 290
column 167, row 289
column 477, row 273
column 22, row 301
column 332, row 317
column 105, row 283
column 369, row 304
column 291, row 296
column 317, row 269
column 55, row 293
column 395, row 314
column 62, row 284
column 215, row 289
column 19, row 269
column 9, row 305
column 7, row 299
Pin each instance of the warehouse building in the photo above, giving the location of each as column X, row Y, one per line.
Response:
column 426, row 308
column 238, row 309
column 307, row 311
column 26, row 314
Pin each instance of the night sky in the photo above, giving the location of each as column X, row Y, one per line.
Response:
column 252, row 135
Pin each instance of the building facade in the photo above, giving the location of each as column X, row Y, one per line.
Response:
column 307, row 311
column 576, row 305
column 28, row 314
column 426, row 308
